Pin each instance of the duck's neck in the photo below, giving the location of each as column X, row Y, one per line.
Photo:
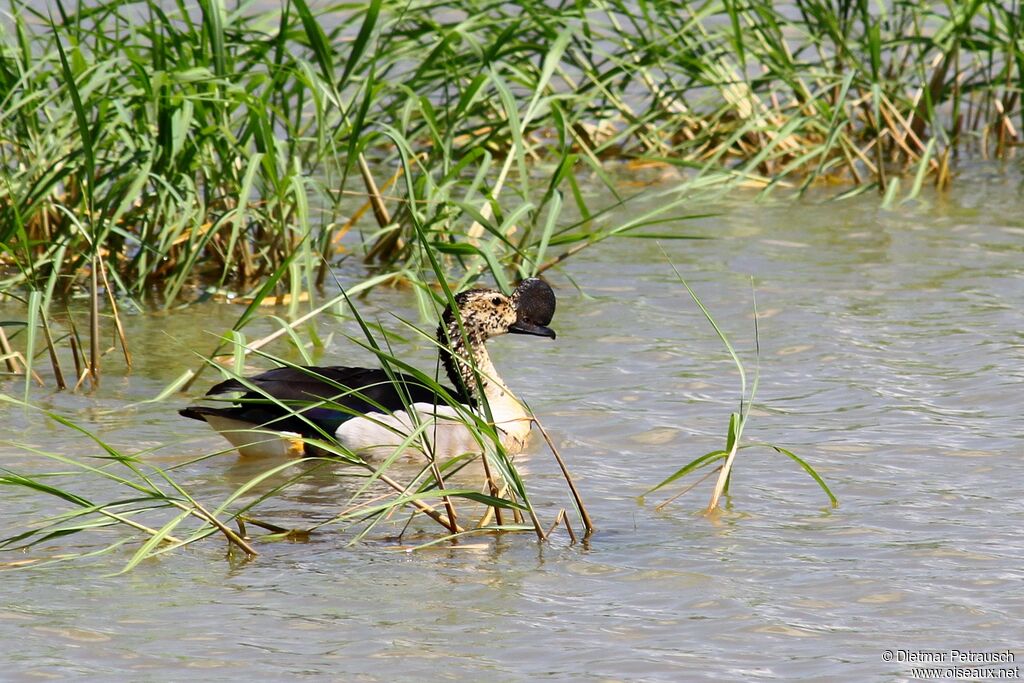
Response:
column 506, row 411
column 459, row 361
column 459, row 367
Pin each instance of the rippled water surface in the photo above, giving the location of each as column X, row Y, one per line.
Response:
column 892, row 359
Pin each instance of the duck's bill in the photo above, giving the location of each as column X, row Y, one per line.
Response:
column 524, row 327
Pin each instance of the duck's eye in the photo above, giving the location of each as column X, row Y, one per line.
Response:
column 496, row 301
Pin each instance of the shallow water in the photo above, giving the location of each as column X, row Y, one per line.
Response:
column 892, row 357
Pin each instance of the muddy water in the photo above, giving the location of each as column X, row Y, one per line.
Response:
column 892, row 359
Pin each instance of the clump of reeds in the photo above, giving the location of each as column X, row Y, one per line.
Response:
column 148, row 145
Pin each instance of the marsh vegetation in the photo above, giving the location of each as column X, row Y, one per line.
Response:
column 168, row 146
column 155, row 155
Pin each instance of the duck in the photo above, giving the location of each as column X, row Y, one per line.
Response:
column 367, row 410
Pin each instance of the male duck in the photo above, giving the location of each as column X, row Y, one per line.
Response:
column 364, row 409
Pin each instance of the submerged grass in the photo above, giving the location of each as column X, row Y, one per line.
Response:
column 734, row 433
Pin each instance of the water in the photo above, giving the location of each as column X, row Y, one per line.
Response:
column 891, row 359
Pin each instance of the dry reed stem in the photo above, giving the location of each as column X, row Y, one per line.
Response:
column 187, row 234
column 117, row 317
column 486, row 519
column 94, row 323
column 660, row 506
column 559, row 518
column 517, row 514
column 448, row 506
column 880, row 161
column 1005, row 122
column 492, row 487
column 563, row 518
column 385, row 243
column 861, row 154
column 77, row 354
column 723, row 477
column 5, row 347
column 380, row 211
column 493, row 511
column 850, row 164
column 588, row 524
column 905, row 126
column 17, row 356
column 199, row 511
column 571, row 251
column 942, row 178
column 419, row 504
column 58, row 374
column 273, row 528
column 568, row 528
column 536, row 523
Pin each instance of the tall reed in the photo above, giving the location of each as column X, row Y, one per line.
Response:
column 734, row 432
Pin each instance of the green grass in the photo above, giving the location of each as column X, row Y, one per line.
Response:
column 734, row 432
column 115, row 497
column 153, row 513
column 215, row 143
column 154, row 153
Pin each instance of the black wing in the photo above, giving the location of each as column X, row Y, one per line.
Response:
column 325, row 396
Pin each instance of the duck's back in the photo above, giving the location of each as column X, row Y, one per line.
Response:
column 359, row 390
column 315, row 401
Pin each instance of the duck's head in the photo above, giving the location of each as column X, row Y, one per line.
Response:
column 487, row 313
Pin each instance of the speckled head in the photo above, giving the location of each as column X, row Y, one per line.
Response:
column 485, row 313
column 488, row 313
